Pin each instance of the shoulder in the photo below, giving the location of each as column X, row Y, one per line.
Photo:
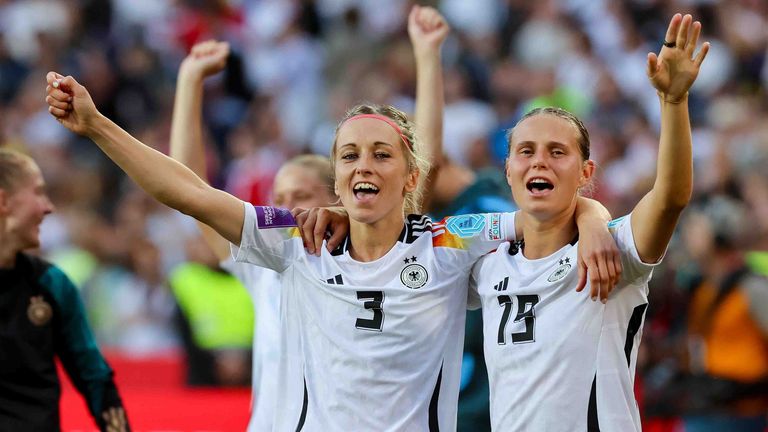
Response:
column 453, row 231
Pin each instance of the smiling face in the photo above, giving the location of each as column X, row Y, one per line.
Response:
column 372, row 170
column 545, row 167
column 24, row 207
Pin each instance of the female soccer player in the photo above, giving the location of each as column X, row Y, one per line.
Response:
column 303, row 181
column 540, row 336
column 372, row 329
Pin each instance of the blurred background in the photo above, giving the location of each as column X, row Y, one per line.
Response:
column 296, row 66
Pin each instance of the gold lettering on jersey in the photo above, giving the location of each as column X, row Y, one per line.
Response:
column 39, row 311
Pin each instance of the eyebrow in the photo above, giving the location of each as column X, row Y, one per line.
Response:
column 376, row 144
column 548, row 143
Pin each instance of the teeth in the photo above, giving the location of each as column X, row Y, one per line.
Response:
column 538, row 180
column 366, row 186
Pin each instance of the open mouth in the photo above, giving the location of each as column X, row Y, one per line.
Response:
column 365, row 190
column 539, row 185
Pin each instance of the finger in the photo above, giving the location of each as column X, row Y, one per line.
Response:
column 595, row 280
column 652, row 62
column 60, row 95
column 321, row 227
column 337, row 236
column 694, row 39
column 57, row 112
column 682, row 33
column 582, row 277
column 702, row 54
column 674, row 24
column 52, row 76
column 66, row 84
column 605, row 278
column 306, row 232
column 58, row 104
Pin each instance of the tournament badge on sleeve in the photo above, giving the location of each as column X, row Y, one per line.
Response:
column 39, row 311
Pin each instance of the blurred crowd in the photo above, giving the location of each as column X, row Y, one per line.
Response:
column 298, row 64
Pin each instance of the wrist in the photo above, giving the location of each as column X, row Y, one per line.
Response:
column 427, row 56
column 674, row 100
column 188, row 74
column 94, row 127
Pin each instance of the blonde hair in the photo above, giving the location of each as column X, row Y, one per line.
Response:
column 15, row 167
column 322, row 167
column 414, row 152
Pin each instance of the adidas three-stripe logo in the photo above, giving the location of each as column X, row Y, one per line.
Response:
column 335, row 280
column 502, row 286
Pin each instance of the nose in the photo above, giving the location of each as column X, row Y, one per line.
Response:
column 539, row 159
column 48, row 206
column 363, row 165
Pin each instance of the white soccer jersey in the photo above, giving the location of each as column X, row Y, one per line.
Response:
column 264, row 286
column 558, row 361
column 371, row 345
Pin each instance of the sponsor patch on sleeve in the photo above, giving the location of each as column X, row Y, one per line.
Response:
column 493, row 232
column 465, row 226
column 272, row 217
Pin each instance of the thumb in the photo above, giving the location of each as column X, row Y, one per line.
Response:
column 582, row 276
column 413, row 15
column 67, row 84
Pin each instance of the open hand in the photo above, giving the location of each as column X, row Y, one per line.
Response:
column 70, row 103
column 675, row 68
column 599, row 260
column 427, row 29
column 206, row 59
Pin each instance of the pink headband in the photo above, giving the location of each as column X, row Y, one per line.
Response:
column 386, row 120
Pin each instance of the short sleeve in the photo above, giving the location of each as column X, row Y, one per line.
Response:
column 269, row 239
column 634, row 269
column 464, row 239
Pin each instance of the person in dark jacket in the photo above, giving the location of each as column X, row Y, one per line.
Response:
column 42, row 318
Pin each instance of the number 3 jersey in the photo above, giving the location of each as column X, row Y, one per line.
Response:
column 558, row 361
column 371, row 345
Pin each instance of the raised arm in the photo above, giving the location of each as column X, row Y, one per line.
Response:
column 165, row 179
column 672, row 73
column 428, row 30
column 206, row 59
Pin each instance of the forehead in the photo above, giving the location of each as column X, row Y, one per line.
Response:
column 295, row 177
column 544, row 128
column 366, row 131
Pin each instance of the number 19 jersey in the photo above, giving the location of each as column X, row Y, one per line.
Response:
column 371, row 345
column 558, row 361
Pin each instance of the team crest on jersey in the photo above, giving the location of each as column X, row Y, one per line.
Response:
column 39, row 311
column 414, row 276
column 465, row 225
column 561, row 271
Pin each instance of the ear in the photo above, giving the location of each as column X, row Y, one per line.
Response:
column 412, row 181
column 587, row 171
column 4, row 206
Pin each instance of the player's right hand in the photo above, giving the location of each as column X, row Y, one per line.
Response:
column 314, row 223
column 427, row 29
column 70, row 103
column 206, row 59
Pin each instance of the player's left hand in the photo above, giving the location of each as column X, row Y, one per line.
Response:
column 314, row 223
column 115, row 420
column 674, row 69
column 599, row 259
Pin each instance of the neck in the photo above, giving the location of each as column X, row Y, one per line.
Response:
column 369, row 242
column 8, row 252
column 545, row 237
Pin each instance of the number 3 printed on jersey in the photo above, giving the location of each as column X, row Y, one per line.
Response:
column 525, row 311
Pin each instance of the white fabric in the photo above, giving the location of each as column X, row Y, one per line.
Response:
column 264, row 288
column 542, row 380
column 400, row 372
